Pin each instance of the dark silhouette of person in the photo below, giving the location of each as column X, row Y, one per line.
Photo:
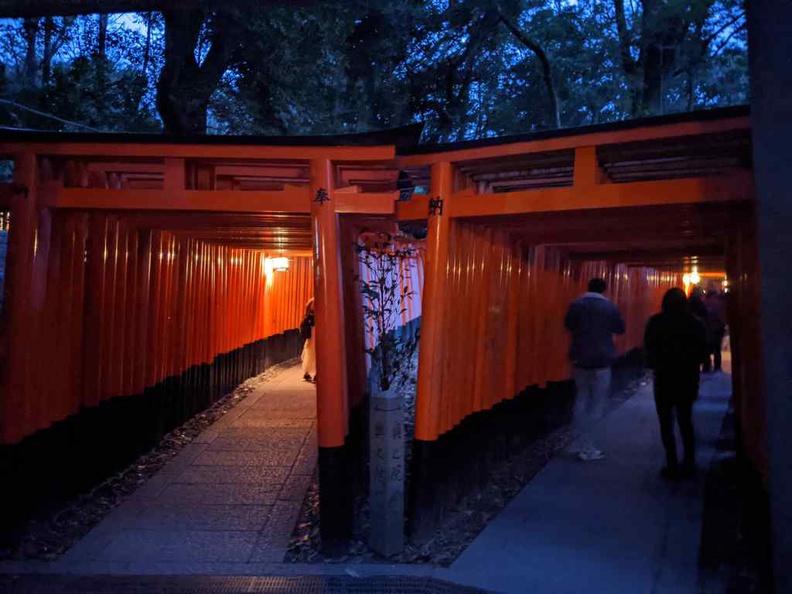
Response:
column 676, row 344
column 698, row 308
column 715, row 301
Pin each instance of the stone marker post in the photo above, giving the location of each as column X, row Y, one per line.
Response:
column 386, row 473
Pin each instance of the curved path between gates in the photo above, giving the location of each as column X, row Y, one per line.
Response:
column 227, row 504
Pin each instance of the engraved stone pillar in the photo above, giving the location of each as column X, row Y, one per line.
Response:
column 386, row 473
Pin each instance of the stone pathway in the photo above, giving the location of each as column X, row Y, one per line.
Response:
column 606, row 526
column 226, row 506
column 232, row 496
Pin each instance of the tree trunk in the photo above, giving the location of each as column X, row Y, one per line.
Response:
column 102, row 43
column 184, row 88
column 652, row 89
column 547, row 74
column 629, row 64
column 101, row 54
column 46, row 60
column 146, row 59
column 147, row 50
column 30, row 26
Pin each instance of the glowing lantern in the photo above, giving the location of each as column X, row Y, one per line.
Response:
column 280, row 264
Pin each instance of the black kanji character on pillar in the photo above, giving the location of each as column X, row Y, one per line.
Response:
column 435, row 206
column 322, row 196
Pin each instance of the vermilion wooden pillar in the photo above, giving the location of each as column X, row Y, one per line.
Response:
column 424, row 512
column 430, row 356
column 19, row 278
column 332, row 406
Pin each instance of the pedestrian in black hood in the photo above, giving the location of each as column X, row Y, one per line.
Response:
column 676, row 345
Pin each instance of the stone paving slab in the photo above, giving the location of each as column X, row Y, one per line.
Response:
column 230, row 497
column 331, row 584
column 231, row 494
column 295, row 487
column 282, row 435
column 245, row 458
column 171, row 545
column 233, row 474
column 140, row 568
column 199, row 517
column 253, row 444
column 266, row 422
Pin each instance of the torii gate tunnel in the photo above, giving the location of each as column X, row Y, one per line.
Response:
column 137, row 288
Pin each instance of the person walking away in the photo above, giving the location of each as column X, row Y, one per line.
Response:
column 697, row 307
column 715, row 302
column 308, row 356
column 675, row 344
column 592, row 320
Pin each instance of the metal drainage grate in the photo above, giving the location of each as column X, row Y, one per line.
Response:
column 46, row 584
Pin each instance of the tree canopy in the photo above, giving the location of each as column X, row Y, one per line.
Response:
column 468, row 69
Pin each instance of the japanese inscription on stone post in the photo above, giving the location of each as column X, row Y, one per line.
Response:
column 386, row 486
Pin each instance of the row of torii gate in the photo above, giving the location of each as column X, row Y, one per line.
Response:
column 134, row 260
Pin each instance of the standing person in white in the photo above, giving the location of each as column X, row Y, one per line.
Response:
column 592, row 320
column 308, row 356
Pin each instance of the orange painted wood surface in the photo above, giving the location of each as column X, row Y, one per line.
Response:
column 578, row 140
column 111, row 309
column 502, row 326
column 332, row 398
column 736, row 187
column 131, row 262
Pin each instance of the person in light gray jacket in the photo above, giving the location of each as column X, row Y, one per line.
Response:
column 592, row 320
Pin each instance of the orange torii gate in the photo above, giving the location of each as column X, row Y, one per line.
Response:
column 144, row 257
column 516, row 226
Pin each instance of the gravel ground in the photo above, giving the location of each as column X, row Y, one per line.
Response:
column 461, row 525
column 52, row 534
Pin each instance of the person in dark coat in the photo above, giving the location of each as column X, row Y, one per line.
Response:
column 676, row 344
column 698, row 308
column 715, row 302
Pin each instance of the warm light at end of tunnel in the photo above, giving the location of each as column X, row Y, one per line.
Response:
column 280, row 264
column 692, row 278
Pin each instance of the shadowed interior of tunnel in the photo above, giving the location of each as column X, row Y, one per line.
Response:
column 641, row 252
column 170, row 312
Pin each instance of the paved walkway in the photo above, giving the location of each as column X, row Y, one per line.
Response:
column 227, row 504
column 606, row 526
column 230, row 498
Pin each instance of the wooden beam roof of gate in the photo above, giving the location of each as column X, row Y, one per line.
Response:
column 690, row 158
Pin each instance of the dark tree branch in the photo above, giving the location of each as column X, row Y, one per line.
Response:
column 723, row 45
column 628, row 63
column 709, row 39
column 547, row 73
